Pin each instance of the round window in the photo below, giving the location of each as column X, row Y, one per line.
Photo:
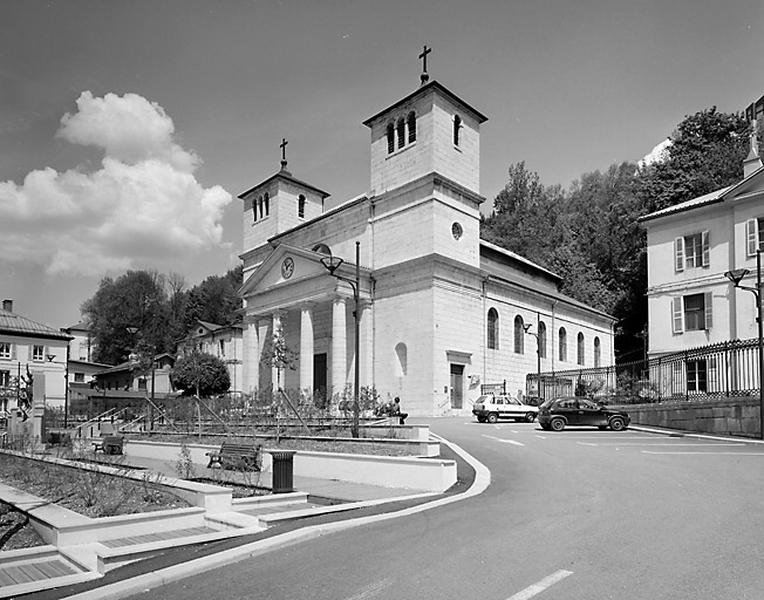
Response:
column 456, row 231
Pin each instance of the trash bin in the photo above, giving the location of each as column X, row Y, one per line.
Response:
column 282, row 471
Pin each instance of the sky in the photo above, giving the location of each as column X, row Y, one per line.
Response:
column 128, row 129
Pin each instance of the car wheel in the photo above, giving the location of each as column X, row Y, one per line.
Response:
column 530, row 417
column 557, row 424
column 617, row 424
column 493, row 417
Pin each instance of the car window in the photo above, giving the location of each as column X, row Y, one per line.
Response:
column 514, row 401
column 499, row 400
column 483, row 399
column 588, row 404
column 567, row 403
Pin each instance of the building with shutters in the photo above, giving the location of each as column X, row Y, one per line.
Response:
column 690, row 246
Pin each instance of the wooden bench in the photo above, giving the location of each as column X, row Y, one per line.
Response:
column 109, row 444
column 235, row 457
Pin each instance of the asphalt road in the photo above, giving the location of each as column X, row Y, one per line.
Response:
column 581, row 514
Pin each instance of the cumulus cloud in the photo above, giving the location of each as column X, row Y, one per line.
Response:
column 144, row 206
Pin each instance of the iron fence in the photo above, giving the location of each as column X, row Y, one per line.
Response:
column 719, row 370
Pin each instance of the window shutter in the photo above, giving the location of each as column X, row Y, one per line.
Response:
column 677, row 316
column 679, row 255
column 708, row 299
column 706, row 249
column 751, row 235
column 30, row 353
column 13, row 351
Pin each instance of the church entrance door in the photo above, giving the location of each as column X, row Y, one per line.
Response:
column 457, row 385
column 319, row 374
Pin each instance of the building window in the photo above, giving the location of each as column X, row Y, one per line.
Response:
column 222, row 347
column 142, row 383
column 697, row 376
column 580, row 348
column 692, row 313
column 301, row 206
column 519, row 335
column 597, row 352
column 754, row 235
column 5, row 350
column 5, row 379
column 38, row 353
column 401, row 127
column 691, row 251
column 542, row 339
column 267, row 204
column 390, row 138
column 457, row 127
column 412, row 127
column 493, row 329
column 563, row 344
column 79, row 377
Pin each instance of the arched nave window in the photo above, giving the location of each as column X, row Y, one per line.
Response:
column 492, row 334
column 580, row 349
column 519, row 335
column 542, row 339
column 563, row 345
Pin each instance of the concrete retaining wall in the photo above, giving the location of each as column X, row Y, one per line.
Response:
column 727, row 416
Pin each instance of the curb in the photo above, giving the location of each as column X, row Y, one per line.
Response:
column 699, row 436
column 154, row 579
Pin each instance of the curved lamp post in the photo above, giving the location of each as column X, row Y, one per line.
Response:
column 736, row 277
column 332, row 263
column 526, row 329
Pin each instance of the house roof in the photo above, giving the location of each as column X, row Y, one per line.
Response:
column 81, row 326
column 11, row 322
column 704, row 200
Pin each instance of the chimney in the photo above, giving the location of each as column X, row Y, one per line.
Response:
column 752, row 162
column 8, row 305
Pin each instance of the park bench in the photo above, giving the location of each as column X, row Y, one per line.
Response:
column 235, row 457
column 109, row 444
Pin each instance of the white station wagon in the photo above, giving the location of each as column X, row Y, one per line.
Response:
column 492, row 407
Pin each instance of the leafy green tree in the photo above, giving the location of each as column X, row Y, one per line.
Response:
column 200, row 374
column 215, row 300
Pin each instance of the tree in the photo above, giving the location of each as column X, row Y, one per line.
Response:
column 200, row 374
column 215, row 300
column 135, row 299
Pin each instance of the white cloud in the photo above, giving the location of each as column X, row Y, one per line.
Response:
column 143, row 207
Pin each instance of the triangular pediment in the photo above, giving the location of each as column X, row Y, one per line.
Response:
column 286, row 265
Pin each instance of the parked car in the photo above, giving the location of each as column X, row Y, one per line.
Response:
column 492, row 407
column 558, row 413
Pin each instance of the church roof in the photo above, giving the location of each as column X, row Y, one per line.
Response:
column 516, row 257
column 13, row 323
column 286, row 176
column 433, row 85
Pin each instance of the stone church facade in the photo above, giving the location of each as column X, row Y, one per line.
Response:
column 440, row 310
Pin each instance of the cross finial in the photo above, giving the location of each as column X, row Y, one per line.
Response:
column 283, row 146
column 424, row 76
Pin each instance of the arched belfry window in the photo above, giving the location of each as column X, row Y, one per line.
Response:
column 597, row 352
column 254, row 209
column 519, row 335
column 580, row 348
column 542, row 339
column 390, row 138
column 563, row 345
column 401, row 127
column 457, row 127
column 260, row 206
column 492, row 332
column 411, row 123
column 301, row 206
column 267, row 204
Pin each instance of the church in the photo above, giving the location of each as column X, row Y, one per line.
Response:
column 396, row 283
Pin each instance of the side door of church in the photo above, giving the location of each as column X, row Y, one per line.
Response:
column 457, row 385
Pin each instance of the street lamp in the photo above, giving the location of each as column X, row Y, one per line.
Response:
column 736, row 277
column 332, row 263
column 526, row 329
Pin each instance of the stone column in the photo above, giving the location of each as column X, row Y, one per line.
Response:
column 276, row 325
column 339, row 346
column 306, row 348
column 366, row 358
column 251, row 358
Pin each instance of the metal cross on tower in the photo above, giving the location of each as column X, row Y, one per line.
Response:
column 283, row 146
column 424, row 76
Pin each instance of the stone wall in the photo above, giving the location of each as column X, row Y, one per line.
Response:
column 727, row 416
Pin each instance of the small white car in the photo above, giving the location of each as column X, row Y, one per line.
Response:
column 492, row 407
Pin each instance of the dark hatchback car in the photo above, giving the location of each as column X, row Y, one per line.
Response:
column 558, row 413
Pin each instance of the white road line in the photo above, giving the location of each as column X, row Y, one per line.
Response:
column 537, row 588
column 541, row 437
column 513, row 442
column 671, row 444
column 707, row 453
column 371, row 590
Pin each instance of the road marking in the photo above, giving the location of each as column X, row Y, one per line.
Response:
column 537, row 588
column 541, row 437
column 371, row 590
column 671, row 444
column 513, row 442
column 708, row 453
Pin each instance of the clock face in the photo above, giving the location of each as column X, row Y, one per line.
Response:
column 287, row 267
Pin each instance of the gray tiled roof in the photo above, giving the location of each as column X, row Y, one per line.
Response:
column 14, row 323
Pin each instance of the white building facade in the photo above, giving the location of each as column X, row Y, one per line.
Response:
column 224, row 341
column 440, row 311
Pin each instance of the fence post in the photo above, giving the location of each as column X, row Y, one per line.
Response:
column 660, row 381
column 686, row 379
column 726, row 369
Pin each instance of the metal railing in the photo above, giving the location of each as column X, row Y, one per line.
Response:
column 719, row 370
